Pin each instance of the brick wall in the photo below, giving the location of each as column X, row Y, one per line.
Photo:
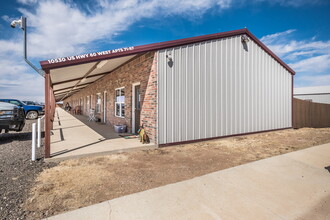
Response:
column 141, row 69
column 149, row 107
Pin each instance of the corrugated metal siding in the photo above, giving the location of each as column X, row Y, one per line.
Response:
column 217, row 88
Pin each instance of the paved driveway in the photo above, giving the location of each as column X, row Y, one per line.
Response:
column 291, row 186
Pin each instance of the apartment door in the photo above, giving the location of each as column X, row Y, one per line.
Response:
column 105, row 107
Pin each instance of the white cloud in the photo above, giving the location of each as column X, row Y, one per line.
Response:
column 309, row 58
column 269, row 39
column 292, row 49
column 10, row 47
column 17, row 82
column 312, row 80
column 286, row 47
column 62, row 27
column 312, row 65
column 6, row 18
column 294, row 3
column 27, row 2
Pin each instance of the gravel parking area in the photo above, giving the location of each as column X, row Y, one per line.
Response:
column 17, row 171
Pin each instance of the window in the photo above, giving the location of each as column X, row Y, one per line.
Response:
column 91, row 102
column 98, row 103
column 87, row 104
column 15, row 102
column 120, row 102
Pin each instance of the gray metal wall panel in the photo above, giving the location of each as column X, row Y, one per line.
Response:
column 218, row 88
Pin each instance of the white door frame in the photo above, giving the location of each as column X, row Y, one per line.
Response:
column 88, row 104
column 105, row 107
column 133, row 105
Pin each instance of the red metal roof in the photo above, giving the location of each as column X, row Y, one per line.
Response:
column 92, row 57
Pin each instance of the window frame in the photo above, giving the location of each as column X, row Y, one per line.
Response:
column 98, row 109
column 88, row 104
column 120, row 104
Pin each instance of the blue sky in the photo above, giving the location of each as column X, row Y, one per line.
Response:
column 298, row 31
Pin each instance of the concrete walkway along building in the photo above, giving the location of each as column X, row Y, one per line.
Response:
column 183, row 90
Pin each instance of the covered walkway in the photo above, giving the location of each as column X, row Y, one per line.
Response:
column 72, row 137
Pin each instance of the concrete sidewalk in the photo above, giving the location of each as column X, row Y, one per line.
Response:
column 290, row 186
column 72, row 138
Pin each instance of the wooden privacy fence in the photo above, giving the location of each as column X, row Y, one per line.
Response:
column 310, row 114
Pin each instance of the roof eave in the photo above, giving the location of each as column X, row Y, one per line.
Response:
column 263, row 46
column 163, row 45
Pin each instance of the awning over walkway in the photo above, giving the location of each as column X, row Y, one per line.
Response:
column 69, row 80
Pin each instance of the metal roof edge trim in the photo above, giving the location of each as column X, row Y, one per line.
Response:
column 163, row 45
column 263, row 46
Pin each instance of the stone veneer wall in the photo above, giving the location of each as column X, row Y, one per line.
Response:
column 141, row 69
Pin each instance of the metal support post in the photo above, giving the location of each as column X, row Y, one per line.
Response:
column 33, row 141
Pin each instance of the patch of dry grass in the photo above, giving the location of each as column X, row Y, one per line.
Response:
column 82, row 182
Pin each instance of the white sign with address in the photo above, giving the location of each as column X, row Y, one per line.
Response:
column 82, row 56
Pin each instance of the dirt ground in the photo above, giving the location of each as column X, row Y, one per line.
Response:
column 81, row 182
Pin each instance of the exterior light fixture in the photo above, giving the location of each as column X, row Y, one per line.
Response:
column 169, row 59
column 245, row 39
column 22, row 23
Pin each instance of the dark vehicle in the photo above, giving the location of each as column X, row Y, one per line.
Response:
column 31, row 111
column 12, row 117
